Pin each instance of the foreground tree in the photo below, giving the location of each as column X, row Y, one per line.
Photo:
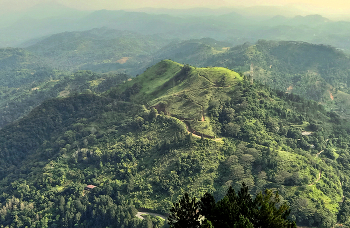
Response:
column 185, row 213
column 234, row 210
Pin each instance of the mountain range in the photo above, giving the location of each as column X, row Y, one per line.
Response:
column 236, row 27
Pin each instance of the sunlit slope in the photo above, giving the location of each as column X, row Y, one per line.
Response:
column 182, row 91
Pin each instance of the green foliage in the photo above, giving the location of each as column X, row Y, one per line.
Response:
column 26, row 82
column 184, row 213
column 139, row 154
column 316, row 72
column 234, row 210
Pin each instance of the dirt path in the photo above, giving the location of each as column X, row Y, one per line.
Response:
column 139, row 215
column 189, row 132
column 199, row 75
column 319, row 153
column 199, row 136
column 213, row 84
column 331, row 95
column 318, row 179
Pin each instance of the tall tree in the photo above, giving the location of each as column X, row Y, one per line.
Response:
column 185, row 213
column 234, row 210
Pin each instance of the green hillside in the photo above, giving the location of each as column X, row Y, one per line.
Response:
column 173, row 129
column 181, row 91
column 18, row 66
column 27, row 80
column 316, row 72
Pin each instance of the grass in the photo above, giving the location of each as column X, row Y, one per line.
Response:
column 95, row 83
column 202, row 127
column 155, row 76
column 184, row 94
column 217, row 74
column 302, row 126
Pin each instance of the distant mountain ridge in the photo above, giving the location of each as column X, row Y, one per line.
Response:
column 98, row 48
column 235, row 27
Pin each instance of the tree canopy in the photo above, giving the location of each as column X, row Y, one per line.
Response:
column 234, row 210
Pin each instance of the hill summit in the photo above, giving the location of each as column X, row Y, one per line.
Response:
column 181, row 91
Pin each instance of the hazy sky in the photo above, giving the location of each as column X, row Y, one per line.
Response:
column 315, row 6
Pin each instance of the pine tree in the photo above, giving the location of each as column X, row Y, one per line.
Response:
column 234, row 210
column 185, row 213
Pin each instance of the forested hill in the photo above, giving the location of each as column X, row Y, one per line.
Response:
column 17, row 66
column 173, row 129
column 307, row 69
column 316, row 72
column 313, row 71
column 27, row 80
column 100, row 50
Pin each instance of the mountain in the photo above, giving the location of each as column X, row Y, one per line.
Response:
column 234, row 26
column 98, row 50
column 311, row 20
column 17, row 66
column 43, row 10
column 47, row 69
column 41, row 20
column 173, row 129
column 194, row 52
column 317, row 72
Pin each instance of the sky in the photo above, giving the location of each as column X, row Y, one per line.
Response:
column 313, row 6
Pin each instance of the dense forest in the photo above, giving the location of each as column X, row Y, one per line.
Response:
column 96, row 159
column 26, row 81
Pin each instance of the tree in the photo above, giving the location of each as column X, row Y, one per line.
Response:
column 243, row 223
column 269, row 214
column 234, row 210
column 185, row 213
column 207, row 224
column 232, row 129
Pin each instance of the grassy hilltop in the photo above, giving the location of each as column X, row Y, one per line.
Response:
column 182, row 91
column 173, row 129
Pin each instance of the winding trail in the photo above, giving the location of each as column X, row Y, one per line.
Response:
column 189, row 132
column 318, row 179
column 139, row 215
column 319, row 153
column 195, row 134
column 319, row 174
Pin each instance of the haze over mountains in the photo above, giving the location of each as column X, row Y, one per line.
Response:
column 234, row 26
